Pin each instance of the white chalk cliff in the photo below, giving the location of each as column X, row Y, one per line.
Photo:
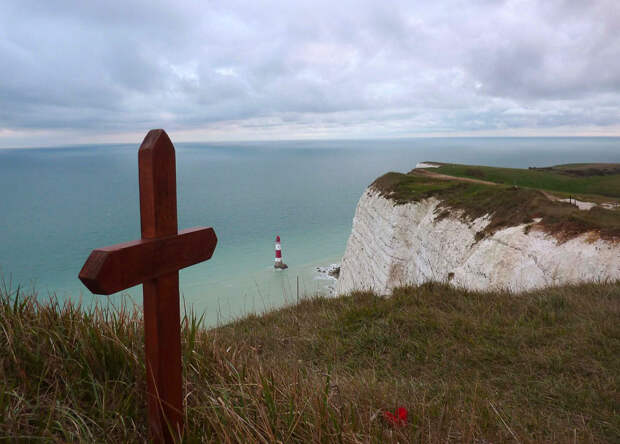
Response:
column 393, row 245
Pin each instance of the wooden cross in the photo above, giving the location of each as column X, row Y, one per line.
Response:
column 155, row 261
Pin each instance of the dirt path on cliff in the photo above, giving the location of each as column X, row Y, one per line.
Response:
column 428, row 173
column 582, row 205
column 550, row 196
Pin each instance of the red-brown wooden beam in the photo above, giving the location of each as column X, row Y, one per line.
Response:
column 162, row 318
column 117, row 267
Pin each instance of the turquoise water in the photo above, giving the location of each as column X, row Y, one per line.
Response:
column 57, row 204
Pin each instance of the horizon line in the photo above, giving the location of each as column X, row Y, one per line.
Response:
column 284, row 140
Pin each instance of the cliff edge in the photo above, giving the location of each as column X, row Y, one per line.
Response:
column 479, row 228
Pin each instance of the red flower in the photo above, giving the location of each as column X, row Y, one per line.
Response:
column 396, row 419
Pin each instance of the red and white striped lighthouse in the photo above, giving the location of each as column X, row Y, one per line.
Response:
column 278, row 263
column 278, row 250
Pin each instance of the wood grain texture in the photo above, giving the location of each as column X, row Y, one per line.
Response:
column 162, row 322
column 117, row 267
column 158, row 187
column 162, row 346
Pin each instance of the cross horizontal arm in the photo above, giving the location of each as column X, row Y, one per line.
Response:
column 117, row 267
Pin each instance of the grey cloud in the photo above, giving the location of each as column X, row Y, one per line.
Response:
column 404, row 66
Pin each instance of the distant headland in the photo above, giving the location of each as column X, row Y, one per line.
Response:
column 486, row 228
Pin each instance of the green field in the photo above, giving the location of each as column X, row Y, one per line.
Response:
column 508, row 204
column 583, row 179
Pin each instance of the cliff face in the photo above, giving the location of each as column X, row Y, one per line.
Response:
column 392, row 245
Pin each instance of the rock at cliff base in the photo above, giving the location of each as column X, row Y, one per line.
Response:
column 332, row 271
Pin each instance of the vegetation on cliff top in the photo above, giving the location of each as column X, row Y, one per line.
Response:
column 469, row 367
column 511, row 199
column 584, row 179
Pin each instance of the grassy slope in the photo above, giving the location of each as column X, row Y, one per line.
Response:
column 507, row 204
column 562, row 178
column 469, row 367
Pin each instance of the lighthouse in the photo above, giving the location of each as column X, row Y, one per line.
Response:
column 278, row 264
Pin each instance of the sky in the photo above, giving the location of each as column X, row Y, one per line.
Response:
column 77, row 72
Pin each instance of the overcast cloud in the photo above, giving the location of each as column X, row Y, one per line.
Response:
column 80, row 71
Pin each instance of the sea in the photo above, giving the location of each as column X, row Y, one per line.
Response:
column 57, row 204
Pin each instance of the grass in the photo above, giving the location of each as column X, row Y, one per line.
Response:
column 470, row 367
column 506, row 205
column 580, row 179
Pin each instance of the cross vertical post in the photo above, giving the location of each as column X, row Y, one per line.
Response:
column 162, row 321
column 155, row 261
